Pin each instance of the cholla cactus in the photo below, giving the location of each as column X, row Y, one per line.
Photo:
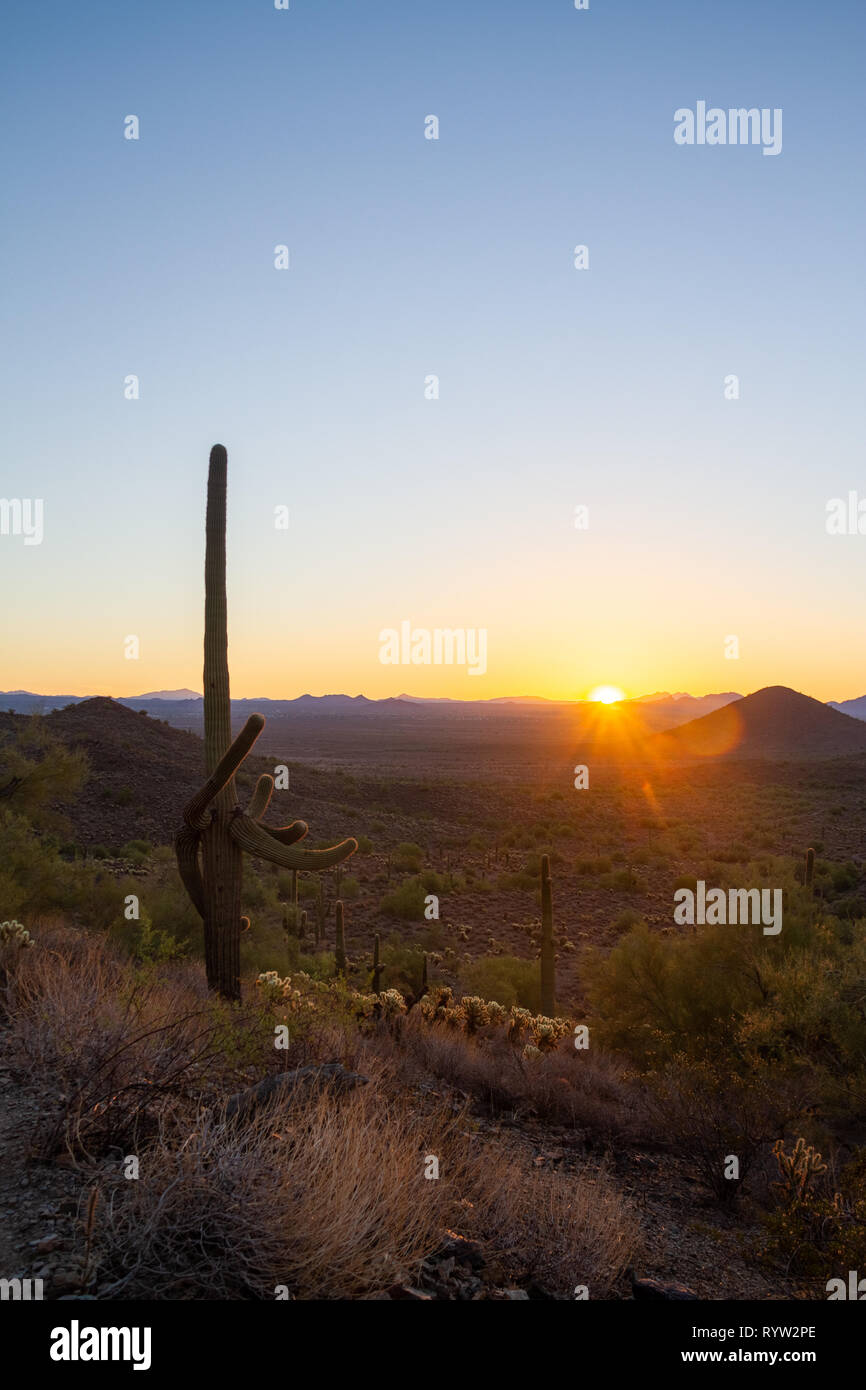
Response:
column 272, row 986
column 435, row 1005
column 475, row 1013
column 497, row 1013
column 216, row 831
column 519, row 1021
column 14, row 933
column 547, row 1032
column 797, row 1169
column 392, row 1002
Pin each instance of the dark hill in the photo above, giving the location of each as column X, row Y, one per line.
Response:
column 143, row 771
column 772, row 723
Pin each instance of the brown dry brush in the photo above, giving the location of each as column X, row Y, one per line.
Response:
column 324, row 1194
column 582, row 1089
column 119, row 1048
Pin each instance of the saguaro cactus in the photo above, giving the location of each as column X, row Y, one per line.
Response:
column 378, row 967
column 216, row 831
column 340, row 952
column 548, row 963
column 810, row 869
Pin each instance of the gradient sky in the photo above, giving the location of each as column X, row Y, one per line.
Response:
column 454, row 257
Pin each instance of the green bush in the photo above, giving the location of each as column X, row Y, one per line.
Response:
column 405, row 902
column 407, row 857
column 504, row 979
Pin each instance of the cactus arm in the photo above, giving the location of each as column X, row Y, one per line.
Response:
column 288, row 834
column 194, row 814
column 186, row 850
column 261, row 797
column 255, row 839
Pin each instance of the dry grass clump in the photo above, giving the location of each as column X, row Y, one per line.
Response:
column 121, row 1047
column 324, row 1194
column 560, row 1229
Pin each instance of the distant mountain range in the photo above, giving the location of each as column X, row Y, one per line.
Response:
column 27, row 702
column 763, row 724
column 856, row 708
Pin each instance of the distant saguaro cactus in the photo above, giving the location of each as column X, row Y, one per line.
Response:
column 378, row 967
column 810, row 869
column 548, row 963
column 214, row 824
column 320, row 912
column 340, row 952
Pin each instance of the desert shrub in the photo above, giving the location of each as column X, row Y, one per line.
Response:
column 560, row 1233
column 408, row 857
column 593, row 867
column 405, row 902
column 403, row 966
column 522, row 881
column 709, row 1114
column 136, row 850
column 126, row 1045
column 365, row 844
column 432, row 882
column 236, row 1210
column 623, row 880
column 583, row 1090
column 627, row 919
column 816, row 1230
column 505, row 979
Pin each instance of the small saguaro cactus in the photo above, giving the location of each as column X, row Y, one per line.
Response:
column 216, row 831
column 320, row 912
column 810, row 869
column 340, row 952
column 378, row 967
column 548, row 963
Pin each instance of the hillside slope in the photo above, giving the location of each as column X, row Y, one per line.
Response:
column 772, row 723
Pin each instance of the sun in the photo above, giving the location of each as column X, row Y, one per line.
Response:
column 607, row 694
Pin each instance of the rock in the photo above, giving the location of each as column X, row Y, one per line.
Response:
column 463, row 1250
column 516, row 1295
column 655, row 1289
column 283, row 1083
column 405, row 1291
column 46, row 1244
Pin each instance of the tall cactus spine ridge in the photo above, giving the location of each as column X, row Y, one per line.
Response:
column 340, row 952
column 548, row 963
column 216, row 831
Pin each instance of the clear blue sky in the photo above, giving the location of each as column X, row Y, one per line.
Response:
column 453, row 257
